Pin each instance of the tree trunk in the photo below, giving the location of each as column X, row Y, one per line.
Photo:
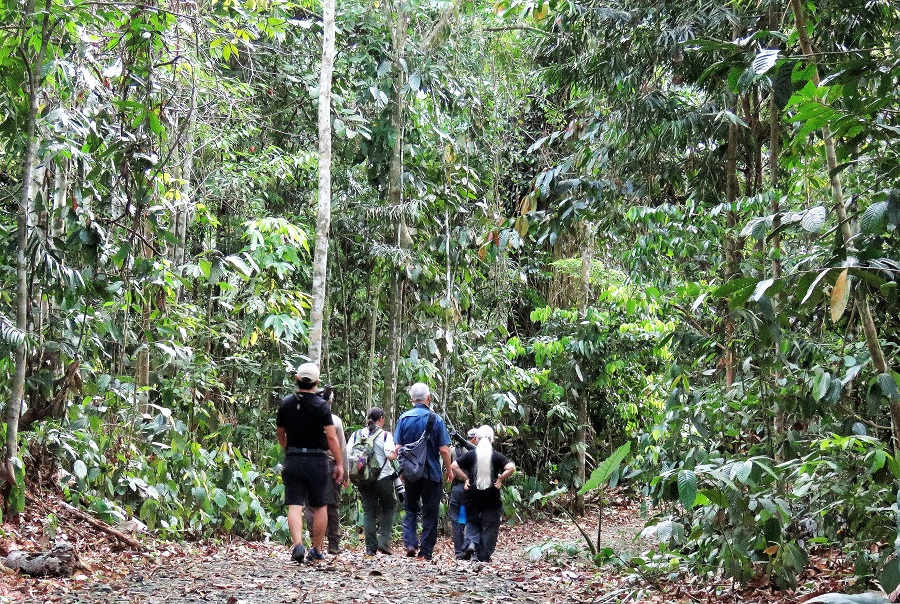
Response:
column 395, row 200
column 373, row 334
column 23, row 231
column 323, row 222
column 185, row 206
column 879, row 362
column 731, row 252
column 779, row 421
column 395, row 335
column 587, row 259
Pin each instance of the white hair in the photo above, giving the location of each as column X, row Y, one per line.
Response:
column 484, row 450
column 419, row 392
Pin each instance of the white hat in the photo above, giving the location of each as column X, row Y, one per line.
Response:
column 307, row 372
column 472, row 433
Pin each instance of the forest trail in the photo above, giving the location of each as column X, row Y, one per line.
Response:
column 257, row 573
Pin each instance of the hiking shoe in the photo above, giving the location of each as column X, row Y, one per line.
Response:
column 334, row 550
column 370, row 553
column 386, row 551
column 298, row 553
column 467, row 553
column 410, row 552
column 314, row 555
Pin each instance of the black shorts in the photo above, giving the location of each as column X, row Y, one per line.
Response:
column 307, row 479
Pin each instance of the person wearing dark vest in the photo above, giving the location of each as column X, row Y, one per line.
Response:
column 423, row 495
column 306, row 433
column 457, row 523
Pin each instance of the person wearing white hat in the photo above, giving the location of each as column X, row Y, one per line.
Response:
column 306, row 431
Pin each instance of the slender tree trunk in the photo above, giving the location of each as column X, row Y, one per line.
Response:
column 373, row 335
column 186, row 203
column 731, row 252
column 778, row 424
column 395, row 200
column 323, row 222
column 23, row 231
column 587, row 259
column 879, row 362
column 395, row 336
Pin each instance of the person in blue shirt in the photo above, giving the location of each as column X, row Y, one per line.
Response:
column 423, row 496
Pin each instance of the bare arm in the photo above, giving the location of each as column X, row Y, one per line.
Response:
column 458, row 472
column 282, row 437
column 508, row 470
column 445, row 455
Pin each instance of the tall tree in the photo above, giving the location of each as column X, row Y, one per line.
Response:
column 33, row 64
column 323, row 221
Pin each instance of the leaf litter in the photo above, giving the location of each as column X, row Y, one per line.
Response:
column 542, row 561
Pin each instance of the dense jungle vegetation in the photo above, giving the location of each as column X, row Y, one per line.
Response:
column 661, row 228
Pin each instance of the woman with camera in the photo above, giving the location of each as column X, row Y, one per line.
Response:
column 378, row 498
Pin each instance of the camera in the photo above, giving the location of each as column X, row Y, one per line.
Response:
column 400, row 489
column 461, row 441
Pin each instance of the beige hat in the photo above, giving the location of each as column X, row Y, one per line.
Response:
column 307, row 372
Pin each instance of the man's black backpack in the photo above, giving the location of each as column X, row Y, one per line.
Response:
column 412, row 457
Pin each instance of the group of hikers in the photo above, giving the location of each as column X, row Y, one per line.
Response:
column 316, row 467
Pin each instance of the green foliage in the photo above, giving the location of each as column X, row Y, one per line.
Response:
column 149, row 467
column 604, row 471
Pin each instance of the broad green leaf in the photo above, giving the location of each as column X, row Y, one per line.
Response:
column 765, row 60
column 761, row 288
column 729, row 289
column 743, row 470
column 814, row 219
column 821, row 384
column 238, row 263
column 220, row 498
column 888, row 384
column 602, row 472
column 873, row 221
column 687, row 488
column 813, row 285
column 890, row 575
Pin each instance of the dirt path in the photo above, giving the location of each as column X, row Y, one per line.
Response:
column 533, row 563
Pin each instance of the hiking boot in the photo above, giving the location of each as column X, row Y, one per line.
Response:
column 298, row 553
column 467, row 553
column 314, row 555
column 334, row 550
column 386, row 551
column 410, row 552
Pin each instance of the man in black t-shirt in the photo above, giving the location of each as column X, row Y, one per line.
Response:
column 305, row 432
column 483, row 472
